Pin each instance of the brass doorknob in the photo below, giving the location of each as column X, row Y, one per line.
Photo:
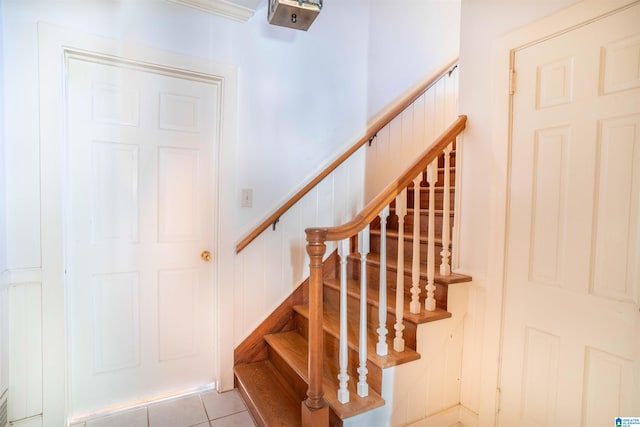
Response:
column 206, row 256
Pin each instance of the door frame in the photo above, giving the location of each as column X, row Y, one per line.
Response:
column 501, row 127
column 54, row 44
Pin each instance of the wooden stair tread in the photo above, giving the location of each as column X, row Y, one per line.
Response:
column 452, row 168
column 392, row 266
column 425, row 188
column 425, row 212
column 332, row 327
column 408, row 237
column 264, row 391
column 293, row 348
column 373, row 296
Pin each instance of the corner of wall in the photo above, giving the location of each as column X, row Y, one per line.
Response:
column 4, row 303
column 3, row 222
column 474, row 329
column 4, row 306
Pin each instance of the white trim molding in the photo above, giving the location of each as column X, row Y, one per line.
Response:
column 237, row 10
column 446, row 417
column 467, row 417
column 35, row 421
column 19, row 276
column 101, row 415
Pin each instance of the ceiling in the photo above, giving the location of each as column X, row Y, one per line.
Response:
column 238, row 10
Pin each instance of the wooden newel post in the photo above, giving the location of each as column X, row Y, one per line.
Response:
column 315, row 412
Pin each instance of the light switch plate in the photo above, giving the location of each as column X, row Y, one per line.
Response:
column 246, row 198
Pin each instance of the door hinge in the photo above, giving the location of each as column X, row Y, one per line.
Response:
column 512, row 81
column 498, row 397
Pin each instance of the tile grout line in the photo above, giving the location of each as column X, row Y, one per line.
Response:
column 206, row 413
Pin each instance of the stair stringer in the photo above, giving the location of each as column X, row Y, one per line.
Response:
column 425, row 392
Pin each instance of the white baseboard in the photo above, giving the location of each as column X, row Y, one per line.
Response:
column 456, row 416
column 447, row 418
column 35, row 421
column 139, row 404
column 20, row 276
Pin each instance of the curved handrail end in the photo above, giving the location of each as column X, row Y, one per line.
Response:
column 316, row 235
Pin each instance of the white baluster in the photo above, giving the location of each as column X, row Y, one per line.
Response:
column 382, row 348
column 432, row 178
column 414, row 306
column 343, row 377
column 363, row 248
column 401, row 211
column 445, row 265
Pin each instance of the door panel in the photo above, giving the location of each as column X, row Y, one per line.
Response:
column 142, row 151
column 571, row 338
column 178, row 174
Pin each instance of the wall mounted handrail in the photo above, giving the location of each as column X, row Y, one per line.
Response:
column 372, row 130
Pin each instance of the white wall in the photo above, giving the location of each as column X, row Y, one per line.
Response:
column 355, row 51
column 482, row 22
column 301, row 98
column 3, row 222
column 408, row 39
column 4, row 302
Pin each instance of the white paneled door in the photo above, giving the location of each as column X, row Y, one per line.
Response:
column 141, row 186
column 571, row 343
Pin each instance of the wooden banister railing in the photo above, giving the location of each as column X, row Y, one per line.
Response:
column 379, row 206
column 387, row 195
column 372, row 130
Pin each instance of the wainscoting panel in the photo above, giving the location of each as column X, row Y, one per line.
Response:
column 402, row 140
column 25, row 343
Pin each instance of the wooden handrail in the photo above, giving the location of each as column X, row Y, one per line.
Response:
column 390, row 192
column 372, row 130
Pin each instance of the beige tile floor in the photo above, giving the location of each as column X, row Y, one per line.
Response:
column 208, row 409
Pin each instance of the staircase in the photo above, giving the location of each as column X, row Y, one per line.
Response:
column 272, row 365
